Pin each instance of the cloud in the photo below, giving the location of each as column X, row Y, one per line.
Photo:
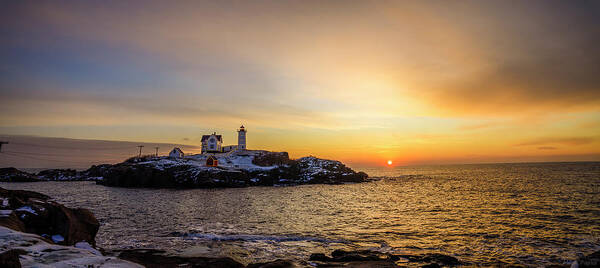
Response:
column 500, row 58
column 386, row 67
column 527, row 58
column 568, row 141
column 560, row 83
column 546, row 148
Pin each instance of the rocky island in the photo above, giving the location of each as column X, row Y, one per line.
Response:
column 238, row 169
column 235, row 169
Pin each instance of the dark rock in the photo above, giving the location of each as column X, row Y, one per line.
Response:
column 18, row 198
column 273, row 264
column 441, row 259
column 11, row 174
column 185, row 174
column 266, row 159
column 58, row 175
column 12, row 221
column 360, row 264
column 319, row 257
column 34, row 213
column 95, row 170
column 81, row 225
column 367, row 258
column 591, row 260
column 151, row 258
column 362, row 255
column 180, row 176
column 10, row 258
column 320, row 171
column 431, row 265
column 359, row 258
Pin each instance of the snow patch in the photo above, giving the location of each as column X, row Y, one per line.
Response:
column 88, row 247
column 5, row 212
column 58, row 238
column 27, row 209
column 40, row 253
column 233, row 161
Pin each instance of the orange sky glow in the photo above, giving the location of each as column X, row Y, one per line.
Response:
column 415, row 82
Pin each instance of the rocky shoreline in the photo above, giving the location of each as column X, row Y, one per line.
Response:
column 238, row 169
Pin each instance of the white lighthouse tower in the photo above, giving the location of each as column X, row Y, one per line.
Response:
column 242, row 138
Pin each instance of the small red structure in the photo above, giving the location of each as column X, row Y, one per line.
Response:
column 212, row 161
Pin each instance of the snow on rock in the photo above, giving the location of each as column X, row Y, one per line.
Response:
column 39, row 253
column 88, row 247
column 27, row 209
column 11, row 174
column 35, row 212
column 232, row 160
column 5, row 212
column 235, row 169
column 316, row 170
column 59, row 175
column 58, row 238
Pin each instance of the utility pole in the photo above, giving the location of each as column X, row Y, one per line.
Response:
column 140, row 146
column 2, row 142
column 156, row 151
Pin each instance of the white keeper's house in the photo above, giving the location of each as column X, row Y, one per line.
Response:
column 213, row 143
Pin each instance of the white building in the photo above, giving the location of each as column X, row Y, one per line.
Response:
column 212, row 143
column 229, row 148
column 242, row 138
column 176, row 153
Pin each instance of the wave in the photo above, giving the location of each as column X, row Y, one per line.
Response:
column 253, row 238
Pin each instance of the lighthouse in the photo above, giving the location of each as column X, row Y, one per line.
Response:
column 242, row 138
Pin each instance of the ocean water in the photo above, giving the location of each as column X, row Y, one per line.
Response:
column 488, row 214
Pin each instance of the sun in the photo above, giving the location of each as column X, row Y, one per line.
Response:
column 390, row 162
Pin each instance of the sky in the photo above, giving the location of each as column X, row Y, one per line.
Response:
column 364, row 82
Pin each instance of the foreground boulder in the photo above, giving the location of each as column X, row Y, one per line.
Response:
column 157, row 258
column 12, row 174
column 152, row 258
column 29, row 250
column 240, row 169
column 33, row 212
